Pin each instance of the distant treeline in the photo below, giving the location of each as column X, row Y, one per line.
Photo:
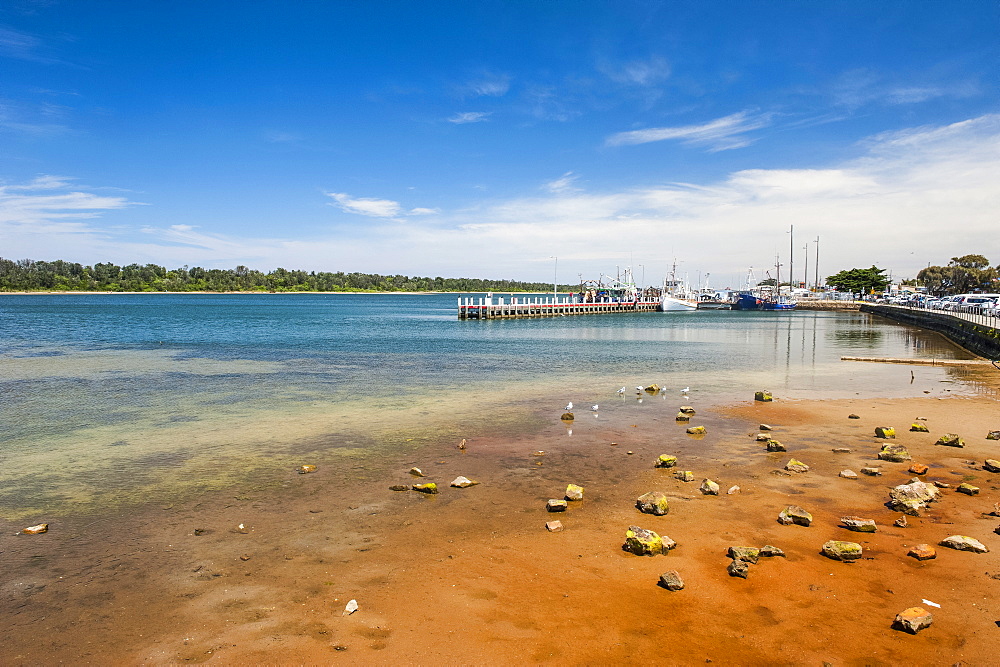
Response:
column 25, row 275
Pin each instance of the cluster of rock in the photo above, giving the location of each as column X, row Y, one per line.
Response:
column 431, row 488
column 744, row 557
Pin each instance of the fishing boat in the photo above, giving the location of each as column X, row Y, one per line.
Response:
column 675, row 297
column 760, row 297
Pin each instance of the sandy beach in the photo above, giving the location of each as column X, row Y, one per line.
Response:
column 472, row 576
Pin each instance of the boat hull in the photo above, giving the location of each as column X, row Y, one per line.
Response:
column 669, row 304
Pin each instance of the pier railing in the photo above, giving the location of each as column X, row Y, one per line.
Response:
column 492, row 307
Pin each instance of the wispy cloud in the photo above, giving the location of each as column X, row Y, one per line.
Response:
column 721, row 134
column 490, row 85
column 31, row 121
column 376, row 208
column 470, row 117
column 563, row 184
column 652, row 71
column 857, row 88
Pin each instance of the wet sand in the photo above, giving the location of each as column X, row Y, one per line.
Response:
column 471, row 576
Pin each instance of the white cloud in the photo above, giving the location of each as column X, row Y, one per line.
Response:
column 563, row 184
column 906, row 198
column 470, row 117
column 376, row 208
column 649, row 72
column 490, row 85
column 720, row 134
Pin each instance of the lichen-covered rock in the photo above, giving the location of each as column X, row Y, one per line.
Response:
column 795, row 514
column 993, row 435
column 913, row 620
column 553, row 526
column 745, row 554
column 918, row 469
column 738, row 568
column 429, row 487
column 918, row 428
column 556, row 505
column 681, row 417
column 871, row 472
column 644, row 542
column 922, row 552
column 574, row 492
column 964, row 543
column 885, row 432
column 687, row 409
column 912, row 497
column 858, row 524
column 696, row 430
column 461, row 482
column 666, row 461
column 842, row 551
column 684, row 475
column 36, row 530
column 992, row 465
column 653, row 389
column 770, row 551
column 894, row 454
column 671, row 581
column 568, row 417
column 968, row 489
column 796, row 466
column 763, row 396
column 709, row 488
column 950, row 440
column 654, row 502
column 848, row 474
column 775, row 446
column 305, row 469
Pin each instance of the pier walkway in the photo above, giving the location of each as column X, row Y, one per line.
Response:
column 491, row 308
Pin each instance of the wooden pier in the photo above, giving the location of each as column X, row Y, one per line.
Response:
column 496, row 308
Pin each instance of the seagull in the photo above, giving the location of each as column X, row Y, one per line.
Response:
column 621, row 391
column 638, row 389
column 593, row 407
column 569, row 406
column 685, row 390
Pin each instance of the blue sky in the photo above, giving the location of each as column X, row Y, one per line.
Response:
column 485, row 139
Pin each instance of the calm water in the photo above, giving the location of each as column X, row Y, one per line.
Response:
column 116, row 398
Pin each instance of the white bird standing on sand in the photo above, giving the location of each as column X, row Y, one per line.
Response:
column 593, row 407
column 621, row 391
column 685, row 390
column 638, row 390
column 569, row 406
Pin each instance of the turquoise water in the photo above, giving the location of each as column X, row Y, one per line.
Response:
column 114, row 397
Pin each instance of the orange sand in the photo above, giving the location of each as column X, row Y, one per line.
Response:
column 471, row 576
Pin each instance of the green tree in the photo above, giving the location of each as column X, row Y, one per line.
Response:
column 859, row 281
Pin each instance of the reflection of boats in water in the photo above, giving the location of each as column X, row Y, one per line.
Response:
column 761, row 297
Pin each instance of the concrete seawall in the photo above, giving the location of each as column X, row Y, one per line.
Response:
column 807, row 304
column 978, row 338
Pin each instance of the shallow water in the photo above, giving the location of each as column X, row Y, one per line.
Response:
column 119, row 399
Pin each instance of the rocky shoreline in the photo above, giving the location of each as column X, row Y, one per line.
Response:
column 776, row 561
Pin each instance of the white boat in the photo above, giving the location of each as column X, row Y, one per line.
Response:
column 675, row 298
column 672, row 304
